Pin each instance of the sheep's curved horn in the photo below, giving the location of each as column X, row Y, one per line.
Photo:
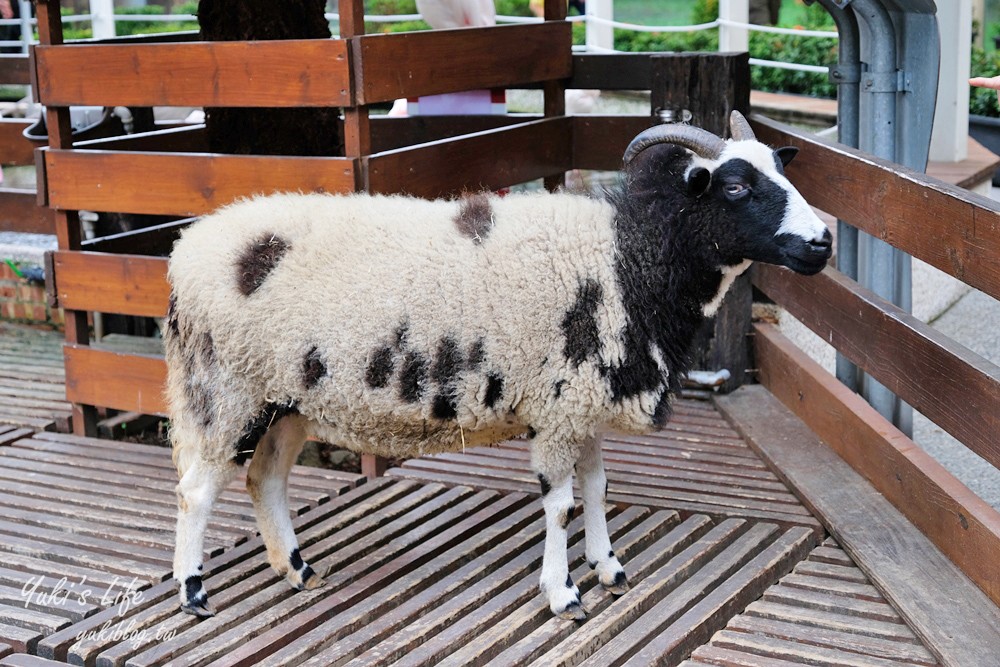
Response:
column 702, row 142
column 739, row 128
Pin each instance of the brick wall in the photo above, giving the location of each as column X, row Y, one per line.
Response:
column 24, row 302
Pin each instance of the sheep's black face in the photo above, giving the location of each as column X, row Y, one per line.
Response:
column 767, row 219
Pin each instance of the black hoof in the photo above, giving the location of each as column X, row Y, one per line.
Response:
column 199, row 609
column 574, row 611
column 620, row 585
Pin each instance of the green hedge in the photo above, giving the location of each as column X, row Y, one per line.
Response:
column 983, row 101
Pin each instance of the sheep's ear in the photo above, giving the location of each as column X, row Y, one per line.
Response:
column 698, row 180
column 786, row 154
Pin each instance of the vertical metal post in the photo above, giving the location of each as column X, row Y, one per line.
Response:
column 847, row 76
column 882, row 268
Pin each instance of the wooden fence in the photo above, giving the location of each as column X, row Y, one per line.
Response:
column 955, row 231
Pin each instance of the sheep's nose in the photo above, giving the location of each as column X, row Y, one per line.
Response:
column 824, row 243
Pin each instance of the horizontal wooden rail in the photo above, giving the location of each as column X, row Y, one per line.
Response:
column 15, row 149
column 599, row 142
column 490, row 160
column 123, row 284
column 951, row 229
column 939, row 377
column 286, row 73
column 20, row 212
column 182, row 184
column 960, row 524
column 408, row 64
column 131, row 382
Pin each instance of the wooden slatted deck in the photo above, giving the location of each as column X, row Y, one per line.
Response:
column 32, row 379
column 825, row 612
column 697, row 465
column 101, row 513
column 437, row 564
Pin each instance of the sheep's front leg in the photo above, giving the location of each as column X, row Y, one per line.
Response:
column 197, row 491
column 267, row 484
column 594, row 490
column 556, row 583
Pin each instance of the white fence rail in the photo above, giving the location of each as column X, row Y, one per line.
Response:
column 733, row 26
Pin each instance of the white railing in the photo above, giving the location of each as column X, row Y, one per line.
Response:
column 733, row 26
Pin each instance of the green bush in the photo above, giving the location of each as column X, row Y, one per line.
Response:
column 983, row 101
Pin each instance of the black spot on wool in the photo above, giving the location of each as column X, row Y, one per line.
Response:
column 444, row 406
column 172, row 319
column 494, row 389
column 475, row 217
column 380, row 368
column 477, row 354
column 413, row 377
column 257, row 427
column 447, row 362
column 295, row 560
column 313, row 368
column 207, row 349
column 580, row 323
column 401, row 335
column 557, row 388
column 544, row 481
column 199, row 398
column 258, row 261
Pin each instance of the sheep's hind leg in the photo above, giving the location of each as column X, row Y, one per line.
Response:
column 267, row 484
column 555, row 582
column 197, row 491
column 594, row 490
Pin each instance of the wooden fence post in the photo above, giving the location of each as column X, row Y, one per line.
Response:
column 67, row 223
column 703, row 88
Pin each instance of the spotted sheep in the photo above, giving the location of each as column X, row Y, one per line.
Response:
column 401, row 327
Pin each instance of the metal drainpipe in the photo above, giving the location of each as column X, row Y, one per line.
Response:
column 847, row 75
column 881, row 267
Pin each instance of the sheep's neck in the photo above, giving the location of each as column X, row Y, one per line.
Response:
column 667, row 279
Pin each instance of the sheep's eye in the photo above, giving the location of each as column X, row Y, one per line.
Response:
column 733, row 189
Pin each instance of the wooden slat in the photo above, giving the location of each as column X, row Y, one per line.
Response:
column 107, row 283
column 489, row 160
column 954, row 618
column 430, row 62
column 698, row 465
column 599, row 142
column 20, row 212
column 282, row 73
column 619, row 71
column 952, row 229
column 101, row 512
column 110, row 379
column 941, row 378
column 15, row 149
column 182, row 183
